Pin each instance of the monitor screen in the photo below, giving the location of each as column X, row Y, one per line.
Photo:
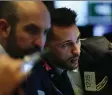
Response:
column 89, row 12
column 100, row 30
column 80, row 7
column 100, row 12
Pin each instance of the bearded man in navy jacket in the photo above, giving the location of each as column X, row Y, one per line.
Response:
column 75, row 73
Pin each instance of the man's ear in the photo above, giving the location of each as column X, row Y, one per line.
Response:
column 4, row 28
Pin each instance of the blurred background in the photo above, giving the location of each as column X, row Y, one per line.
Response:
column 94, row 17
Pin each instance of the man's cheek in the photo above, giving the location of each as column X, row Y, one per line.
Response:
column 22, row 44
column 23, row 40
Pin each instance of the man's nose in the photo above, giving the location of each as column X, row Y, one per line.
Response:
column 39, row 42
column 76, row 49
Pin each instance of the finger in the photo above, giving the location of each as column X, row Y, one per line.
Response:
column 17, row 64
column 4, row 58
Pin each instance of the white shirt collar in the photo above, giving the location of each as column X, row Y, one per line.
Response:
column 2, row 51
column 76, row 70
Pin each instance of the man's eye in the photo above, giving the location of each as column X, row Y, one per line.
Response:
column 32, row 29
column 64, row 45
column 45, row 32
column 32, row 32
column 78, row 40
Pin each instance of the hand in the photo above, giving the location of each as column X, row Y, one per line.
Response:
column 10, row 74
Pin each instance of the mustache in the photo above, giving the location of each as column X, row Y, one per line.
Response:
column 26, row 52
column 33, row 50
column 76, row 57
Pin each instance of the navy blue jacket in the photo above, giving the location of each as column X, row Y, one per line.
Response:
column 94, row 58
column 39, row 83
column 95, row 62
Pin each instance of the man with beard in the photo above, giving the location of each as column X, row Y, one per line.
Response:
column 23, row 26
column 87, row 76
column 63, row 48
column 23, row 30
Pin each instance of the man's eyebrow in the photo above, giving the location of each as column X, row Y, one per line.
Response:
column 79, row 35
column 31, row 27
column 67, row 41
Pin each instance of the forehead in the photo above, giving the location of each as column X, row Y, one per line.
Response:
column 35, row 13
column 65, row 33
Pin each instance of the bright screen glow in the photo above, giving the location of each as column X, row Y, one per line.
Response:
column 80, row 7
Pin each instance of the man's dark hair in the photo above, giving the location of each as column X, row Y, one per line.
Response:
column 61, row 17
column 8, row 11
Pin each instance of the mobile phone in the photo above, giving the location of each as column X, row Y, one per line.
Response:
column 29, row 62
